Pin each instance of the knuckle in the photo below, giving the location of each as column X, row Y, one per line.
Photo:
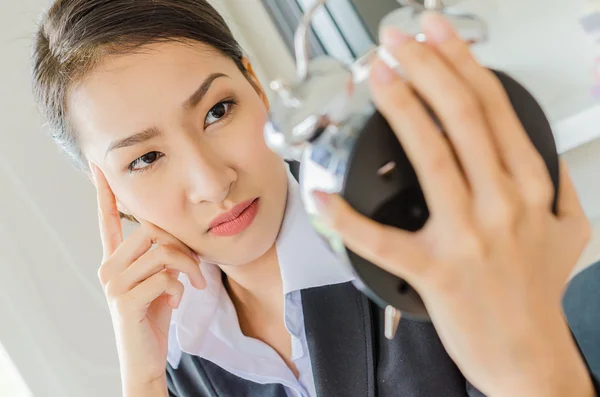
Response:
column 110, row 289
column 166, row 251
column 438, row 161
column 465, row 107
column 461, row 54
column 105, row 274
column 537, row 168
column 149, row 231
column 102, row 273
column 539, row 194
column 163, row 278
column 491, row 82
column 538, row 188
column 419, row 54
column 461, row 57
column 489, row 79
column 404, row 101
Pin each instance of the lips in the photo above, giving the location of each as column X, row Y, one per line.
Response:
column 236, row 220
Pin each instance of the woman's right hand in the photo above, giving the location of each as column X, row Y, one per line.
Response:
column 141, row 288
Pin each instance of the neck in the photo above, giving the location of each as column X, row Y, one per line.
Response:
column 256, row 288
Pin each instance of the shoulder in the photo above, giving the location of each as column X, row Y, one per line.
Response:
column 195, row 376
column 582, row 308
column 189, row 377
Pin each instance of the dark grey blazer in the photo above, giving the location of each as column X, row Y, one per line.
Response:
column 350, row 356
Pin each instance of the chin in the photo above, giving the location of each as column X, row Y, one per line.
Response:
column 243, row 252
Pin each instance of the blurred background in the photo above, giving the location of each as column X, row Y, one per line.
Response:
column 55, row 331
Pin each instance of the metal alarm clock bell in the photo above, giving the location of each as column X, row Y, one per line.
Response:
column 325, row 119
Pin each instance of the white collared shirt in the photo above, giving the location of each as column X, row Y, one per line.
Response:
column 206, row 323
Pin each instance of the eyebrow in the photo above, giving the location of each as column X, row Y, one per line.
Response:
column 154, row 132
column 197, row 96
column 140, row 137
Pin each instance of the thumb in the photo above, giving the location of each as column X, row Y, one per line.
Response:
column 392, row 249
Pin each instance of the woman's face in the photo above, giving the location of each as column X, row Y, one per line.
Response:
column 177, row 130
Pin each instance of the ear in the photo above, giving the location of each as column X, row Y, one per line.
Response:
column 255, row 82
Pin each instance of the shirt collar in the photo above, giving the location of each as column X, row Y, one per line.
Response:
column 305, row 259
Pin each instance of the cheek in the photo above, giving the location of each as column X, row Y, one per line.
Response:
column 251, row 150
column 151, row 204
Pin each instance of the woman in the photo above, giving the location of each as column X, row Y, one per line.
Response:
column 155, row 100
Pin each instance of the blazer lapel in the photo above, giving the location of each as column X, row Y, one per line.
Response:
column 338, row 327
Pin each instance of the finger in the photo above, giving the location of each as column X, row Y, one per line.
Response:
column 441, row 179
column 515, row 150
column 138, row 243
column 454, row 104
column 394, row 250
column 568, row 199
column 161, row 283
column 173, row 301
column 108, row 214
column 163, row 258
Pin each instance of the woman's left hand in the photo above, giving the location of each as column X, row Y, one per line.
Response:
column 492, row 262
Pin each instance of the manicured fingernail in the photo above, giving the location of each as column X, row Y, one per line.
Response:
column 382, row 73
column 177, row 302
column 200, row 282
column 437, row 28
column 392, row 38
column 322, row 200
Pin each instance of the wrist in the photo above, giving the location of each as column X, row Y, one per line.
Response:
column 153, row 388
column 580, row 386
column 550, row 365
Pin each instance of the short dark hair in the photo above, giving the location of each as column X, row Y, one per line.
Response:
column 75, row 34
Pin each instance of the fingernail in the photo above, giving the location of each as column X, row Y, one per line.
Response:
column 322, row 200
column 203, row 283
column 392, row 38
column 196, row 257
column 436, row 27
column 382, row 73
column 198, row 282
column 177, row 302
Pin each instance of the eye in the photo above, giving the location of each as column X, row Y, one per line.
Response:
column 144, row 161
column 219, row 111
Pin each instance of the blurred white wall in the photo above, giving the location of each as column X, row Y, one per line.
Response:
column 54, row 323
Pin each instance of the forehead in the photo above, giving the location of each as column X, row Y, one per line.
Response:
column 128, row 92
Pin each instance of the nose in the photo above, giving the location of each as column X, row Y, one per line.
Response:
column 210, row 179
